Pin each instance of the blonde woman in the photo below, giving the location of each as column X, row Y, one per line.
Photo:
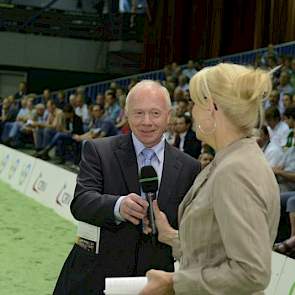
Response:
column 228, row 220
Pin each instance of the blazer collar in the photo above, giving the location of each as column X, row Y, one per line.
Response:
column 125, row 153
column 170, row 175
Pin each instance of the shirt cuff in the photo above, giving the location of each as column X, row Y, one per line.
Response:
column 117, row 214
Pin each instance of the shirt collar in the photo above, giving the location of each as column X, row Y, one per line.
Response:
column 139, row 146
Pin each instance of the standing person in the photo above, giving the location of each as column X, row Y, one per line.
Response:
column 108, row 195
column 222, row 249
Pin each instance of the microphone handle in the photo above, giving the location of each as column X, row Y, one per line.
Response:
column 150, row 198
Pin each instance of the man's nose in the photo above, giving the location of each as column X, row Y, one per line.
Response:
column 146, row 119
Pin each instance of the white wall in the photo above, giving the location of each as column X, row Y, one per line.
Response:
column 28, row 50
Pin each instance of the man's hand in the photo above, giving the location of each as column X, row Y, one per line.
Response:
column 159, row 283
column 166, row 233
column 277, row 170
column 133, row 208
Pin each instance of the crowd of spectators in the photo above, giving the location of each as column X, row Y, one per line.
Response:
column 62, row 124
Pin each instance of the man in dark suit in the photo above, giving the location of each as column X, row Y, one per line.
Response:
column 108, row 196
column 185, row 138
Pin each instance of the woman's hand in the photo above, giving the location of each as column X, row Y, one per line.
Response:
column 165, row 232
column 159, row 283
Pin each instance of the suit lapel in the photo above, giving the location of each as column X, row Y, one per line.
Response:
column 126, row 157
column 171, row 169
column 192, row 194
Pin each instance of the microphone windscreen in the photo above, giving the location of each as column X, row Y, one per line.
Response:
column 148, row 179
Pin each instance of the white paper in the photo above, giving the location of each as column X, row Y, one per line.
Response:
column 125, row 286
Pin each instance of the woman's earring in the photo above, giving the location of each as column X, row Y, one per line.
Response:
column 207, row 130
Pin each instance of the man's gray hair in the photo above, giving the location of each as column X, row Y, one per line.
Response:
column 148, row 84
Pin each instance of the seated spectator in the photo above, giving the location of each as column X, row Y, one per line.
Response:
column 99, row 98
column 8, row 113
column 205, row 159
column 272, row 100
column 46, row 96
column 12, row 131
column 53, row 124
column 190, row 70
column 271, row 52
column 277, row 129
column 122, row 120
column 183, row 83
column 72, row 100
column 61, row 99
column 80, row 91
column 81, row 110
column 289, row 116
column 288, row 206
column 73, row 126
column 170, row 132
column 39, row 118
column 272, row 152
column 185, row 138
column 102, row 127
column 112, row 107
column 177, row 95
column 287, row 100
column 181, row 107
column 285, row 171
column 284, row 87
column 292, row 78
column 22, row 90
column 176, row 70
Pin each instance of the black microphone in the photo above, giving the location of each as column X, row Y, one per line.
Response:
column 149, row 185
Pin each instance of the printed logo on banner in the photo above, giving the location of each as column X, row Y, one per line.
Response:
column 24, row 173
column 63, row 198
column 13, row 168
column 4, row 163
column 39, row 185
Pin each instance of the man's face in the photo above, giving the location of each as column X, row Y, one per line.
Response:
column 287, row 101
column 290, row 122
column 97, row 112
column 40, row 111
column 148, row 115
column 273, row 98
column 181, row 108
column 181, row 126
column 272, row 123
column 50, row 107
column 46, row 94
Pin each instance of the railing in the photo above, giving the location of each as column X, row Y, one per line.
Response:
column 247, row 57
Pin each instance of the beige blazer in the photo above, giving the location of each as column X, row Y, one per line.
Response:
column 228, row 224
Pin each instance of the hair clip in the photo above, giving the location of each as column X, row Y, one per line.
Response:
column 275, row 69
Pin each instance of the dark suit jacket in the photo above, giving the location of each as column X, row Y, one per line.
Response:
column 108, row 170
column 192, row 145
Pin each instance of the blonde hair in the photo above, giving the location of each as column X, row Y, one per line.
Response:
column 148, row 84
column 236, row 89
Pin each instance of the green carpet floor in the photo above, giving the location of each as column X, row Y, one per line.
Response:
column 34, row 242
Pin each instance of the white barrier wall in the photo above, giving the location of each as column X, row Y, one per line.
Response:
column 46, row 183
column 54, row 188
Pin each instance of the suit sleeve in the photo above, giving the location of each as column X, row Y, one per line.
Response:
column 90, row 205
column 241, row 214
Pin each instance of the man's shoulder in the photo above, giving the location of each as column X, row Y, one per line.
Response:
column 116, row 140
column 184, row 158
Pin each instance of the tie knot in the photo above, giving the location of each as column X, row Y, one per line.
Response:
column 148, row 155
